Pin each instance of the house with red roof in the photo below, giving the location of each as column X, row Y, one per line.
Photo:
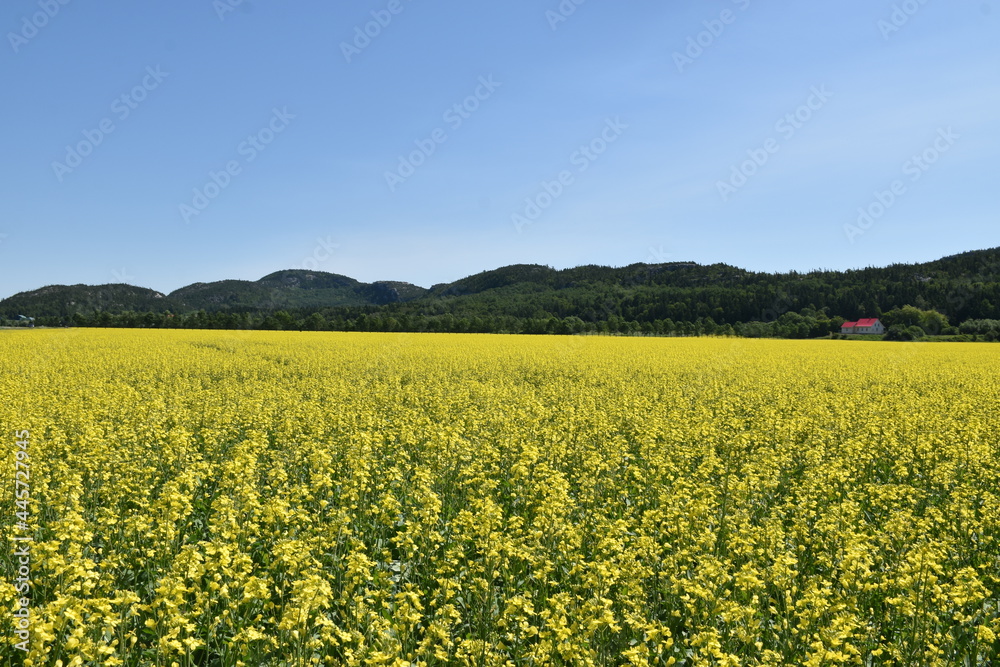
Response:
column 864, row 326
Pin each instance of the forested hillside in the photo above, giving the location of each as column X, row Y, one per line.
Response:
column 674, row 298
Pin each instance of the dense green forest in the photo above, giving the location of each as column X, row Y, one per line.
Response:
column 957, row 295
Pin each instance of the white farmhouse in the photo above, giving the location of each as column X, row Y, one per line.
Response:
column 865, row 326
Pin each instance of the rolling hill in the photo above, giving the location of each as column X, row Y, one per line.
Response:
column 528, row 297
column 291, row 289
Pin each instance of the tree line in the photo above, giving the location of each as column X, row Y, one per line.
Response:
column 907, row 323
column 954, row 296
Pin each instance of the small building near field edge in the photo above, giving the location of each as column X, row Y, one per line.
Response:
column 870, row 325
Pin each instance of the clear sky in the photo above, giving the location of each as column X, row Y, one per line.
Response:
column 162, row 143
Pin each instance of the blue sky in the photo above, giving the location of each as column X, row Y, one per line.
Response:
column 163, row 143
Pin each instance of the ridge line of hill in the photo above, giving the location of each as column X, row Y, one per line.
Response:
column 960, row 287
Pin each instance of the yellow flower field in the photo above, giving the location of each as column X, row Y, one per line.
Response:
column 287, row 498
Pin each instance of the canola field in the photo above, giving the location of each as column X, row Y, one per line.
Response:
column 289, row 498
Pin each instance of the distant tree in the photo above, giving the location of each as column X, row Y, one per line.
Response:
column 285, row 320
column 898, row 332
column 315, row 322
column 930, row 322
column 574, row 324
column 933, row 323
